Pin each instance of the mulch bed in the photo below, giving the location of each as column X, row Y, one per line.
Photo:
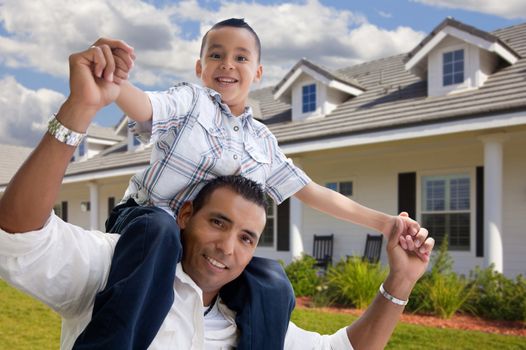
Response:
column 464, row 322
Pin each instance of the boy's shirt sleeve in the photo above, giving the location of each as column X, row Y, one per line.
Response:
column 285, row 178
column 169, row 110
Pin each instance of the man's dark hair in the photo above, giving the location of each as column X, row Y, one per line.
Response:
column 246, row 188
column 236, row 23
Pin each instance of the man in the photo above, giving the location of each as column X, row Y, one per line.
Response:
column 65, row 266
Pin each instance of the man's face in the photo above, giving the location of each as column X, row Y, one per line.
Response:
column 220, row 239
column 229, row 65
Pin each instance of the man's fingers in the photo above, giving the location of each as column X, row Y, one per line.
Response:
column 420, row 237
column 110, row 63
column 123, row 59
column 115, row 44
column 98, row 59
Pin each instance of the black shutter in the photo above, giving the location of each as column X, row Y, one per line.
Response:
column 407, row 193
column 479, row 223
column 284, row 226
column 64, row 206
column 111, row 205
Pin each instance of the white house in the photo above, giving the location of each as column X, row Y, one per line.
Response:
column 439, row 132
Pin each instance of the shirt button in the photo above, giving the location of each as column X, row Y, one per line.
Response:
column 235, row 156
column 236, row 128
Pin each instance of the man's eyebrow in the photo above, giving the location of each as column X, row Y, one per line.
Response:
column 227, row 219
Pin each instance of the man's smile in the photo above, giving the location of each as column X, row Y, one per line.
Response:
column 215, row 263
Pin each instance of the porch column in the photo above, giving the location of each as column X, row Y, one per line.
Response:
column 94, row 205
column 296, row 220
column 493, row 253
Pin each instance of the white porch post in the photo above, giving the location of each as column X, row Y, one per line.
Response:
column 296, row 219
column 493, row 253
column 94, row 205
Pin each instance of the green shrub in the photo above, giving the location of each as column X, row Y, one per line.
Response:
column 355, row 282
column 497, row 297
column 440, row 292
column 303, row 275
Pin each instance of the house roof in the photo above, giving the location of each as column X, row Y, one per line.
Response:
column 450, row 27
column 395, row 98
column 332, row 79
column 12, row 158
column 101, row 132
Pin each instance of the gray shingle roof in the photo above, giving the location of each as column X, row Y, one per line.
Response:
column 396, row 98
column 105, row 133
column 12, row 158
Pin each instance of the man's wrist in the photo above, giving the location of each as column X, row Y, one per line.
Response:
column 399, row 286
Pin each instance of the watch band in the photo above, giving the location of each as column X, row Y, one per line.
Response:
column 392, row 298
column 63, row 134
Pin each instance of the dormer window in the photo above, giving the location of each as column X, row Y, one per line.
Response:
column 453, row 67
column 309, row 98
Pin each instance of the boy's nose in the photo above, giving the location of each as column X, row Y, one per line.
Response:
column 227, row 64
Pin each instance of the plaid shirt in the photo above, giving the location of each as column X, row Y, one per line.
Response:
column 196, row 139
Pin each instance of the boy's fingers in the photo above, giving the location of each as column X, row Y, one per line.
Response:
column 120, row 74
column 420, row 237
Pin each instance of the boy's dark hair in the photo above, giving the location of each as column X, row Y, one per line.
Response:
column 236, row 23
column 246, row 188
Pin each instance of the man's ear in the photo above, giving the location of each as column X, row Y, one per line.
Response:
column 184, row 215
column 259, row 74
column 198, row 68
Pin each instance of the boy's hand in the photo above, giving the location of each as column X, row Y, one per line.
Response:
column 116, row 59
column 411, row 235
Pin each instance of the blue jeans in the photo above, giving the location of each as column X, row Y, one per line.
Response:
column 139, row 293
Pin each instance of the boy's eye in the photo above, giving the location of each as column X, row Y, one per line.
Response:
column 242, row 59
column 215, row 56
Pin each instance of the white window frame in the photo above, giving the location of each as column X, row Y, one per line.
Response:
column 467, row 69
column 339, row 181
column 470, row 172
column 453, row 70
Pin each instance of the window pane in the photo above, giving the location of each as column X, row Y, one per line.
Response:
column 267, row 237
column 332, row 185
column 346, row 188
column 436, row 225
column 456, row 226
column 459, row 66
column 459, row 55
column 459, row 78
column 434, row 195
column 448, row 68
column 459, row 194
column 448, row 57
column 448, row 80
column 309, row 98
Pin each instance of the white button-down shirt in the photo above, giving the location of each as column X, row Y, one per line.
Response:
column 64, row 266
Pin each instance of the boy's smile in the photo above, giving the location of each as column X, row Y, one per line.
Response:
column 229, row 65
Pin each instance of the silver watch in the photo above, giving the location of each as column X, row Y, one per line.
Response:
column 63, row 134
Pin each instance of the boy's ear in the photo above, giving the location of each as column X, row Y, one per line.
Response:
column 184, row 215
column 259, row 74
column 198, row 68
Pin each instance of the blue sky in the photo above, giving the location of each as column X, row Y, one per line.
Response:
column 36, row 38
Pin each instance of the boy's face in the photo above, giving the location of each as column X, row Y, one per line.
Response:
column 220, row 239
column 230, row 65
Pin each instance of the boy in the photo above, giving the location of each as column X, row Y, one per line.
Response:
column 203, row 132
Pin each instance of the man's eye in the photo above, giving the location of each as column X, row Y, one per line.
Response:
column 247, row 239
column 217, row 222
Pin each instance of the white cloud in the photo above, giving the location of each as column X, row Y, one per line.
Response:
column 25, row 112
column 41, row 34
column 385, row 14
column 511, row 9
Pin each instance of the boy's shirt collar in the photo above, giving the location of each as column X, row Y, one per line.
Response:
column 245, row 117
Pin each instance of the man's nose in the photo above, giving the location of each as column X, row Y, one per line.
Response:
column 226, row 244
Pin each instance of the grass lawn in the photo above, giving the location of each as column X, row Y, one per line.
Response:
column 407, row 336
column 28, row 324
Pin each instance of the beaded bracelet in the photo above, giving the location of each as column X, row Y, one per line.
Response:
column 63, row 134
column 392, row 298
